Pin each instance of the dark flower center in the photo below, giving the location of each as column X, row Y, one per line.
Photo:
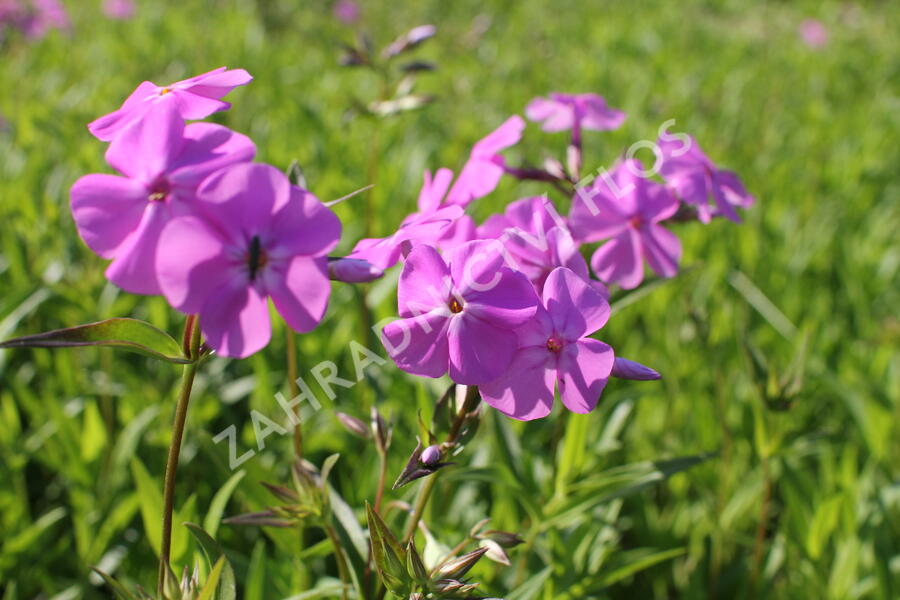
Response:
column 158, row 191
column 256, row 258
column 455, row 306
column 636, row 221
column 554, row 344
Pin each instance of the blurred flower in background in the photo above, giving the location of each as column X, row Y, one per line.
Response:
column 34, row 18
column 813, row 33
column 346, row 11
column 119, row 9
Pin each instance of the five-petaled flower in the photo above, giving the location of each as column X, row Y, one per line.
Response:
column 459, row 318
column 195, row 98
column 561, row 112
column 254, row 236
column 627, row 207
column 697, row 181
column 162, row 162
column 554, row 350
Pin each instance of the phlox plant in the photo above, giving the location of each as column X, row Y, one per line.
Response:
column 507, row 310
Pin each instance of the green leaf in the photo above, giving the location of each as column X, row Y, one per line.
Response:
column 388, row 555
column 217, row 507
column 212, row 582
column 126, row 334
column 255, row 585
column 215, row 554
column 633, row 566
column 532, row 586
column 117, row 588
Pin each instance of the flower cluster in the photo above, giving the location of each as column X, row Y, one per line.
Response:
column 509, row 305
column 33, row 18
column 189, row 216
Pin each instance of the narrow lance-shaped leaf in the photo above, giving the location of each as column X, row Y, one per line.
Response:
column 125, row 334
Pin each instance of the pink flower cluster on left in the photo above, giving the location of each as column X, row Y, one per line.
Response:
column 189, row 216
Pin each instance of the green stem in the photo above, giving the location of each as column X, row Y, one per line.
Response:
column 192, row 333
column 291, row 343
column 382, row 472
column 343, row 572
column 469, row 405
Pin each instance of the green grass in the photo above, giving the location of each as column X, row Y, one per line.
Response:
column 811, row 282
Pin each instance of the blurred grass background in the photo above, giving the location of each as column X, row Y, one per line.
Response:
column 802, row 498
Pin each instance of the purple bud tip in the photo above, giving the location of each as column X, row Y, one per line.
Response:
column 419, row 34
column 431, row 455
column 352, row 270
column 628, row 369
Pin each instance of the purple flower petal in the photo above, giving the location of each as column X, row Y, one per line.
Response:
column 243, row 198
column 147, row 148
column 192, row 263
column 134, row 266
column 619, row 260
column 424, row 283
column 576, row 308
column 305, row 226
column 235, row 320
column 419, row 344
column 584, row 368
column 107, row 209
column 506, row 305
column 525, row 391
column 662, row 249
column 475, row 265
column 479, row 351
column 300, row 291
column 207, row 148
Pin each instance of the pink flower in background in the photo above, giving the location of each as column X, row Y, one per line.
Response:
column 699, row 182
column 459, row 318
column 346, row 11
column 36, row 20
column 625, row 206
column 195, row 98
column 813, row 33
column 162, row 162
column 482, row 172
column 554, row 350
column 119, row 9
column 254, row 236
column 561, row 112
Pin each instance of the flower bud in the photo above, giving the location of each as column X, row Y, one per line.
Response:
column 495, row 552
column 354, row 425
column 352, row 270
column 628, row 369
column 431, row 455
column 380, row 431
column 410, row 40
column 458, row 567
column 504, row 538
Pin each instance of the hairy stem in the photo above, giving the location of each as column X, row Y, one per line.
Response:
column 469, row 405
column 192, row 348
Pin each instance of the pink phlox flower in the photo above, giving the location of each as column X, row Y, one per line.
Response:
column 699, row 182
column 195, row 98
column 119, row 9
column 624, row 207
column 458, row 315
column 254, row 236
column 161, row 162
column 554, row 350
column 561, row 112
column 482, row 172
column 813, row 33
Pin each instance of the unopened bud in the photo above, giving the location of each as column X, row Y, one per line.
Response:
column 380, row 432
column 352, row 270
column 495, row 552
column 504, row 538
column 458, row 567
column 410, row 40
column 628, row 369
column 431, row 455
column 354, row 425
